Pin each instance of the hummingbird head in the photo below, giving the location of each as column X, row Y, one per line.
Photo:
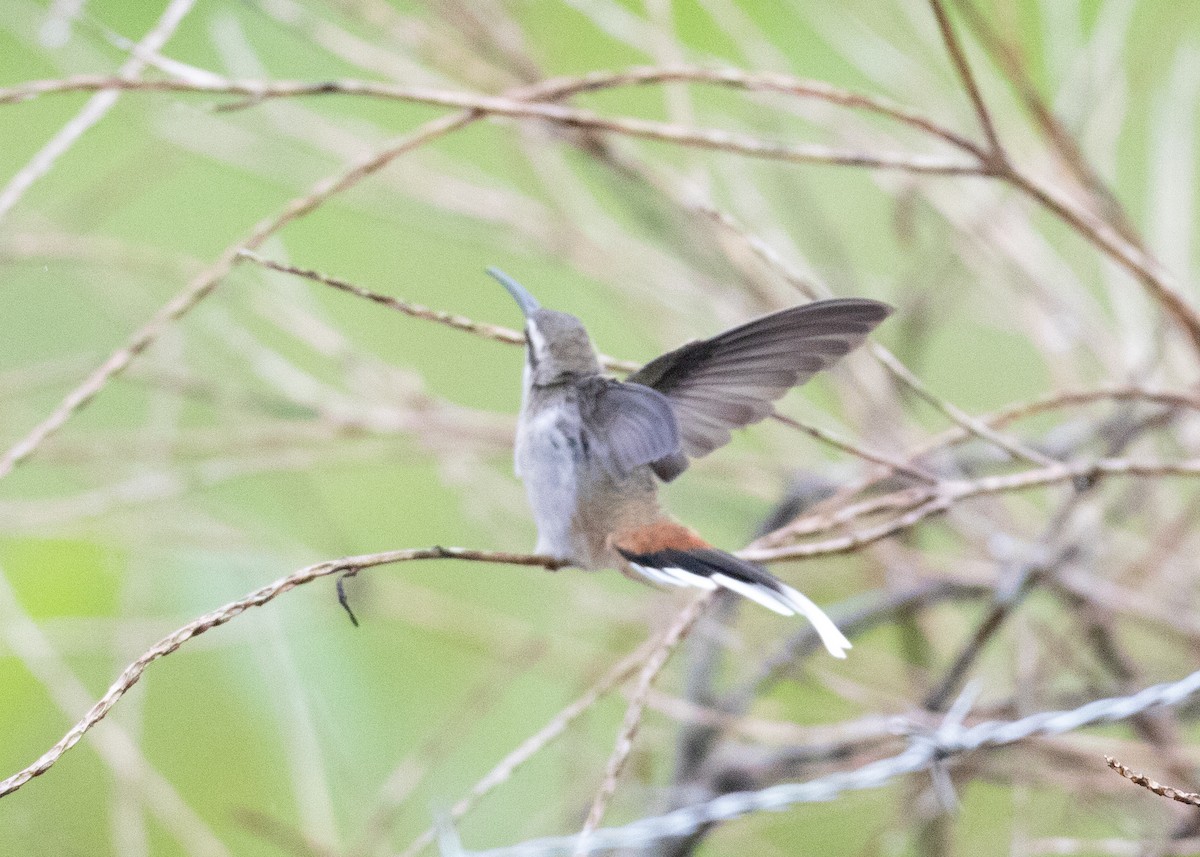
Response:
column 558, row 347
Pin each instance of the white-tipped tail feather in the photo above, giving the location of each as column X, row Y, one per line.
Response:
column 776, row 596
column 835, row 641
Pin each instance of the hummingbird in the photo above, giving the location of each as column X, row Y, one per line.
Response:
column 591, row 450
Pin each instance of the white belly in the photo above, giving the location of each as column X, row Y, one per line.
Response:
column 549, row 459
column 577, row 502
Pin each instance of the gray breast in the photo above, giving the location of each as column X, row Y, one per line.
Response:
column 576, row 502
column 549, row 455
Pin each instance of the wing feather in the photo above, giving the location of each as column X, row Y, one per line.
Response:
column 729, row 381
column 631, row 425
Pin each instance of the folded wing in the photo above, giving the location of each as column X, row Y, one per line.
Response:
column 729, row 381
column 628, row 425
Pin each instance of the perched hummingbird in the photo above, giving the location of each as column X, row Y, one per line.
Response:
column 590, row 449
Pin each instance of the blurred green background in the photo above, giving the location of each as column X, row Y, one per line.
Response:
column 281, row 423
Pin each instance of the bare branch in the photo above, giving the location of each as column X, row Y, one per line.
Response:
column 922, row 503
column 170, row 643
column 413, row 310
column 963, row 69
column 458, row 322
column 1190, row 798
column 703, row 138
column 976, row 427
column 633, row 714
column 893, row 464
column 555, row 89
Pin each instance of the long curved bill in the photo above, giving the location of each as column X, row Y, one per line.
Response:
column 526, row 301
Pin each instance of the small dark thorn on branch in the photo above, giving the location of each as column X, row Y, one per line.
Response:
column 341, row 594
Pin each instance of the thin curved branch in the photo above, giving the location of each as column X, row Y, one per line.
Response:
column 170, row 643
column 554, row 89
column 963, row 69
column 840, row 512
column 783, row 84
column 922, row 503
column 1189, row 798
column 905, row 375
column 893, row 464
column 518, row 108
column 494, row 332
column 679, row 629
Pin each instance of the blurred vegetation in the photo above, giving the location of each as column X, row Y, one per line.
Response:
column 280, row 423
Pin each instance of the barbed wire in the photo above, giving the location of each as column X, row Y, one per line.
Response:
column 926, row 749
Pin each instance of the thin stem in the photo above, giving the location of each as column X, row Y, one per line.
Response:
column 173, row 641
column 976, row 427
column 494, row 332
column 703, row 138
column 963, row 69
column 921, row 503
column 633, row 714
column 1190, row 798
column 531, row 746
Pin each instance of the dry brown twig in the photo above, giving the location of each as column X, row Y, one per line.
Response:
column 838, row 510
column 995, row 150
column 633, row 713
column 957, row 414
column 493, row 332
column 519, row 108
column 921, row 503
column 532, row 745
column 170, row 643
column 1189, row 798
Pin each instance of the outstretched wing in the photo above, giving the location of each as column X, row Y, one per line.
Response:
column 730, row 380
column 628, row 425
